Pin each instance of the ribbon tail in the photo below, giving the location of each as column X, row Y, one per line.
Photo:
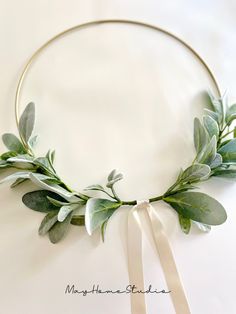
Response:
column 167, row 260
column 135, row 263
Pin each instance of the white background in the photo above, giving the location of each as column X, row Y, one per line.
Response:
column 114, row 97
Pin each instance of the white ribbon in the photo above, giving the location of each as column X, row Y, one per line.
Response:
column 135, row 263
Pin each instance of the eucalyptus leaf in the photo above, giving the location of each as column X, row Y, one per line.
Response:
column 185, row 224
column 211, row 126
column 200, row 136
column 26, row 123
column 38, row 200
column 13, row 143
column 198, row 206
column 98, row 210
column 48, row 222
column 195, row 173
column 59, row 229
column 65, row 210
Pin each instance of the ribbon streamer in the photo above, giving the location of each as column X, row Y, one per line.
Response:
column 135, row 263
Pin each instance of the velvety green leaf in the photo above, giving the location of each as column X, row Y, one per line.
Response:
column 234, row 132
column 213, row 115
column 228, row 151
column 60, row 229
column 65, row 210
column 37, row 200
column 103, row 229
column 54, row 188
column 22, row 175
column 26, row 123
column 200, row 136
column 185, row 224
column 4, row 164
column 49, row 220
column 218, row 106
column 225, row 173
column 7, row 155
column 94, row 187
column 18, row 182
column 195, row 172
column 22, row 159
column 198, row 206
column 231, row 113
column 98, row 210
column 33, row 141
column 113, row 177
column 209, row 152
column 78, row 220
column 13, row 143
column 202, row 227
column 211, row 126
column 216, row 162
column 56, row 202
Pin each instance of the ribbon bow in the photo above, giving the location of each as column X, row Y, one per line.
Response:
column 135, row 263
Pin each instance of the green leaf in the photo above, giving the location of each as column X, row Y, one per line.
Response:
column 4, row 164
column 218, row 106
column 202, row 227
column 195, row 173
column 78, row 220
column 17, row 182
column 225, row 173
column 33, row 141
column 200, row 136
column 211, row 126
column 103, row 229
column 198, row 206
column 44, row 163
column 26, row 123
column 38, row 200
column 22, row 175
column 13, row 143
column 209, row 153
column 65, row 211
column 231, row 114
column 56, row 202
column 7, row 155
column 234, row 132
column 185, row 224
column 98, row 210
column 213, row 115
column 216, row 162
column 48, row 222
column 54, row 188
column 113, row 178
column 94, row 187
column 228, row 151
column 60, row 229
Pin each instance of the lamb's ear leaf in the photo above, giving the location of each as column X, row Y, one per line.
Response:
column 98, row 210
column 26, row 123
column 13, row 143
column 200, row 136
column 48, row 221
column 60, row 229
column 185, row 224
column 198, row 206
column 38, row 200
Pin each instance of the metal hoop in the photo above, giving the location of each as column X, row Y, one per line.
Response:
column 92, row 23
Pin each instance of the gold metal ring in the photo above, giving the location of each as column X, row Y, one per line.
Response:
column 92, row 23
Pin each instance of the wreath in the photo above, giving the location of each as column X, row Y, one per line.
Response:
column 215, row 144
